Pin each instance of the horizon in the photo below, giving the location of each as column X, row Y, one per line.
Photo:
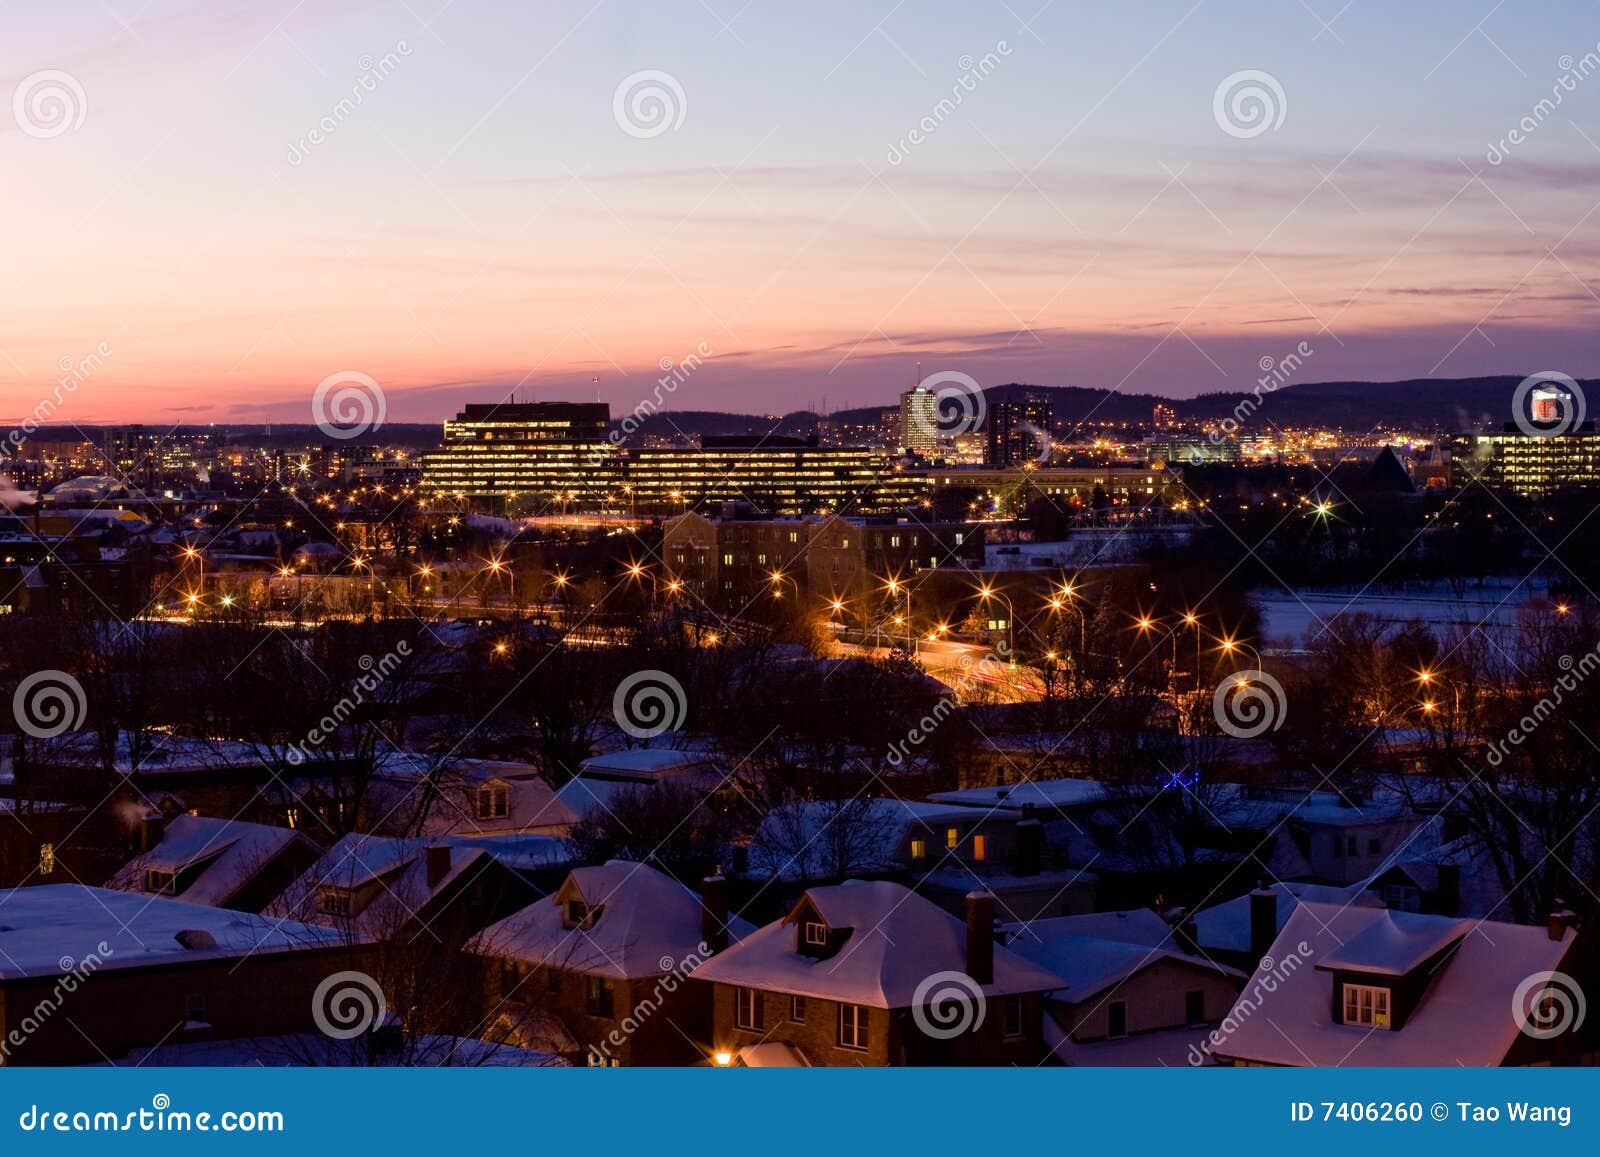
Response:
column 459, row 204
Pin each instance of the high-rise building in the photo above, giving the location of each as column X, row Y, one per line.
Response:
column 919, row 421
column 559, row 454
column 1532, row 465
column 1163, row 418
column 1018, row 431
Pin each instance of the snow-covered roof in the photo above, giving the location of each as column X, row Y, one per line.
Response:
column 232, row 851
column 46, row 930
column 640, row 922
column 1225, row 927
column 396, row 872
column 401, row 794
column 1395, row 947
column 772, row 1055
column 1091, row 953
column 897, row 941
column 1042, row 793
column 643, row 763
column 316, row 1049
column 1464, row 1016
column 1169, row 1048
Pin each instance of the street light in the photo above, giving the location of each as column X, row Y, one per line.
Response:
column 986, row 593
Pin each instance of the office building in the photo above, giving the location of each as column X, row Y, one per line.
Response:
column 919, row 421
column 1018, row 431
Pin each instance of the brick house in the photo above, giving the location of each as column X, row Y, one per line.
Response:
column 88, row 974
column 858, row 973
column 598, row 971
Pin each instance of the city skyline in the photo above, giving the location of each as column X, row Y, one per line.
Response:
column 462, row 204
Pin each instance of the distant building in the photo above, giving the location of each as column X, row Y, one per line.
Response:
column 919, row 421
column 1163, row 417
column 1018, row 431
column 559, row 454
column 1531, row 465
column 219, row 863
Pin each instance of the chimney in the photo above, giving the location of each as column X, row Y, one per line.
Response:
column 714, row 912
column 1447, row 899
column 1560, row 920
column 1187, row 935
column 438, row 864
column 1030, row 843
column 980, row 936
column 152, row 827
column 1263, row 922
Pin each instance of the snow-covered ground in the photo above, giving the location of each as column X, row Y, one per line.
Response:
column 1295, row 619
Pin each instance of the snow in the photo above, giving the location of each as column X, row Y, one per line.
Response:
column 1290, row 620
column 647, row 924
column 308, row 1049
column 1463, row 1018
column 1165, row 1048
column 1225, row 927
column 812, row 839
column 236, row 850
column 646, row 764
column 772, row 1055
column 43, row 927
column 1092, row 952
column 399, row 870
column 532, row 805
column 897, row 941
column 1044, row 793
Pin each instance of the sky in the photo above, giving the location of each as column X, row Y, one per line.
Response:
column 213, row 207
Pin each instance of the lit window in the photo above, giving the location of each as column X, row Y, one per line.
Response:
column 919, row 849
column 493, row 801
column 980, row 847
column 852, row 1026
column 952, row 837
column 747, row 1009
column 1364, row 1004
column 47, row 859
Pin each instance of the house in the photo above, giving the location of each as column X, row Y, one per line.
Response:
column 91, row 973
column 870, row 973
column 1132, row 994
column 223, row 863
column 373, row 888
column 599, row 969
column 467, row 797
column 1374, row 986
column 1241, row 930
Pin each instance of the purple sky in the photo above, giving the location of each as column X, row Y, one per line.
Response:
column 231, row 202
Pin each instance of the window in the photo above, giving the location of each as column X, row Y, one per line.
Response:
column 747, row 1009
column 960, row 538
column 794, row 536
column 577, row 912
column 852, row 1026
column 552, row 979
column 1117, row 1018
column 1374, row 846
column 1011, row 1015
column 159, row 883
column 980, row 847
column 597, row 1061
column 919, row 849
column 493, row 802
column 816, row 933
column 195, row 1013
column 47, row 859
column 727, row 560
column 952, row 837
column 1194, row 1007
column 894, row 540
column 1364, row 1004
column 1350, row 845
column 1402, row 897
column 597, row 999
column 797, row 1009
column 334, row 901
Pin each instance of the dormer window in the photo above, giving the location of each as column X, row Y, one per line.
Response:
column 1366, row 1004
column 577, row 913
column 335, row 901
column 493, row 802
column 952, row 837
column 159, row 883
column 815, row 933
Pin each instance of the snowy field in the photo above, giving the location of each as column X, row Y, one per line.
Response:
column 1292, row 620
